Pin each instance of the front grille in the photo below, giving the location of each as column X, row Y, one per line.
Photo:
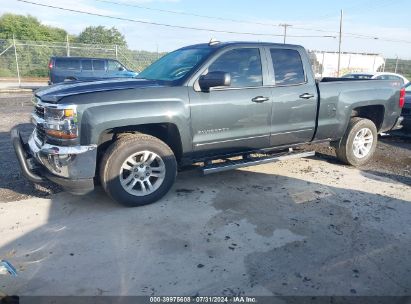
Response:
column 41, row 133
column 39, row 111
column 406, row 111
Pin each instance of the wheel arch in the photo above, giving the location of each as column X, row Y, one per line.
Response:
column 375, row 113
column 165, row 131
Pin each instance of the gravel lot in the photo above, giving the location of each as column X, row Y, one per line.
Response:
column 301, row 227
column 15, row 110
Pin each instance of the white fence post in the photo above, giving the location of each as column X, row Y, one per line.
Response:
column 396, row 65
column 67, row 45
column 17, row 61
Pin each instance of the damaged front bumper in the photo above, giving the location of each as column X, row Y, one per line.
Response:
column 72, row 167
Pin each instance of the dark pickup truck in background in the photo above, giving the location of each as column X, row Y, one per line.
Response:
column 200, row 103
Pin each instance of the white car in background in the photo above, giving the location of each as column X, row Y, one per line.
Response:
column 378, row 75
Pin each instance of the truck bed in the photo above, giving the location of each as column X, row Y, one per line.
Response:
column 338, row 97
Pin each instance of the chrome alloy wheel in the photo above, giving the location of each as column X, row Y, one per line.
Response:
column 142, row 173
column 362, row 143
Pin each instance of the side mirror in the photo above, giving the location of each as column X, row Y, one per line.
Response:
column 121, row 69
column 214, row 79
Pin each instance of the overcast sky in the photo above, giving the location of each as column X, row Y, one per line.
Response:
column 385, row 19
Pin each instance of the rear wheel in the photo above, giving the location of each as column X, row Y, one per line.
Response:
column 358, row 145
column 137, row 170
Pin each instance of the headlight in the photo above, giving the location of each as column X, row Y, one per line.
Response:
column 61, row 122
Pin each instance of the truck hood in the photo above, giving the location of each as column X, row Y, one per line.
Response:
column 56, row 92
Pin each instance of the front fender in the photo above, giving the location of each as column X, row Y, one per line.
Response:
column 97, row 117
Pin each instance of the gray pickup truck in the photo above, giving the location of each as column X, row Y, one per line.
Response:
column 225, row 105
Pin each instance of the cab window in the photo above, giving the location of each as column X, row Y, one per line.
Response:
column 67, row 64
column 288, row 67
column 244, row 66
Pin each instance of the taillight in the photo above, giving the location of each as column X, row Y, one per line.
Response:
column 402, row 97
column 50, row 65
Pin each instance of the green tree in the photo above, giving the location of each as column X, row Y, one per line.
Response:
column 101, row 35
column 28, row 28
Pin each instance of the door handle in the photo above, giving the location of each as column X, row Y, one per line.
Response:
column 259, row 99
column 306, row 96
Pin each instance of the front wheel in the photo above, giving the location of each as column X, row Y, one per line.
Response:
column 359, row 142
column 137, row 170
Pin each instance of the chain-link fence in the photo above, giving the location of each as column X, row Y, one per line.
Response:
column 400, row 66
column 28, row 60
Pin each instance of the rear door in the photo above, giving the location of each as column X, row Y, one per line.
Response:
column 230, row 119
column 294, row 96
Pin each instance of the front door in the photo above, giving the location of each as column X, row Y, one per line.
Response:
column 294, row 96
column 235, row 118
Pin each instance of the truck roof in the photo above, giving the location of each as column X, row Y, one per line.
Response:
column 80, row 58
column 239, row 43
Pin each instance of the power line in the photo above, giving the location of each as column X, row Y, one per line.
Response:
column 208, row 16
column 352, row 35
column 313, row 29
column 169, row 25
column 185, row 13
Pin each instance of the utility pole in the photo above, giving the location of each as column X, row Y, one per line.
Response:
column 339, row 44
column 285, row 25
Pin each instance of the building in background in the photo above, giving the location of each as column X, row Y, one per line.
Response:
column 325, row 64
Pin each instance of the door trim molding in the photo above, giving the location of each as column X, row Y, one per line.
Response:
column 296, row 131
column 230, row 140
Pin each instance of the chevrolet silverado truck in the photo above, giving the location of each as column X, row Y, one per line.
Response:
column 223, row 105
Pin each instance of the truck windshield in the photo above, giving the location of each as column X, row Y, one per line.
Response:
column 175, row 65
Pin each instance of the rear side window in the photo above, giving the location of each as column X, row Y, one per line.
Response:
column 86, row 65
column 288, row 67
column 244, row 66
column 390, row 77
column 67, row 63
column 99, row 65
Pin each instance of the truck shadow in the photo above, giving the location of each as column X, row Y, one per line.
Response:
column 399, row 138
column 241, row 232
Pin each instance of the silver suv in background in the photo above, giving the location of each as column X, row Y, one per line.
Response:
column 378, row 75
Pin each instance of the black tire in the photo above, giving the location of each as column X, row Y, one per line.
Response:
column 345, row 147
column 119, row 152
